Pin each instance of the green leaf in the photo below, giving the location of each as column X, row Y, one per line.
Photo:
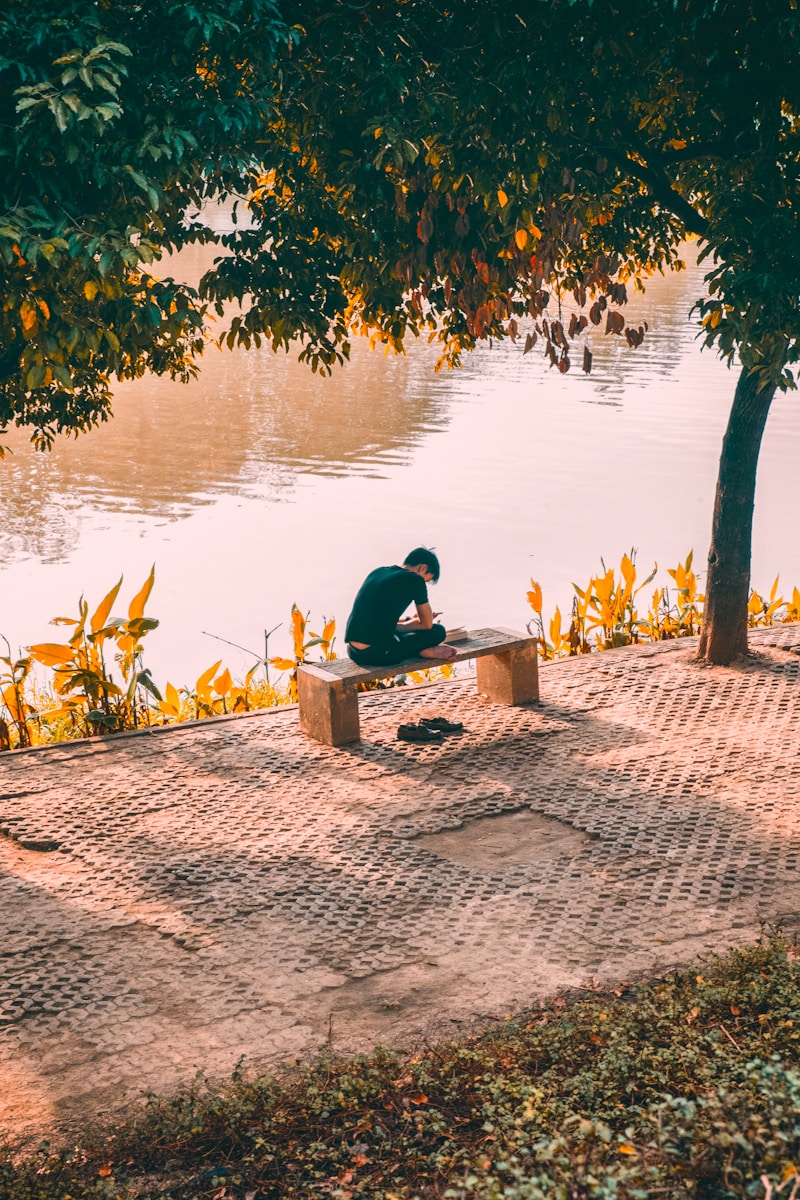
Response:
column 62, row 375
column 36, row 376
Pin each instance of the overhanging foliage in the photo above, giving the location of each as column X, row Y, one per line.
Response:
column 115, row 121
column 494, row 170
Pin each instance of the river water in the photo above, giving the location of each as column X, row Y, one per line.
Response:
column 260, row 484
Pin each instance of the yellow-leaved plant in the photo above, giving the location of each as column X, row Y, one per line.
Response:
column 606, row 613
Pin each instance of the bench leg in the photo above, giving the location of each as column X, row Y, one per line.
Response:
column 328, row 711
column 510, row 678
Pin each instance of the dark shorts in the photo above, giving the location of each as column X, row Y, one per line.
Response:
column 402, row 646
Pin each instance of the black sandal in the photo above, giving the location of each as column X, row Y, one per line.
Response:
column 442, row 724
column 418, row 733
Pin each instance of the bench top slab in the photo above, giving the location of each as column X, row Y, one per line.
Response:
column 478, row 642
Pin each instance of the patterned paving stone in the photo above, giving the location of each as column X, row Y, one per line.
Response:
column 173, row 901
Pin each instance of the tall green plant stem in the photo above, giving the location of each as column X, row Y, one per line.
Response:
column 724, row 632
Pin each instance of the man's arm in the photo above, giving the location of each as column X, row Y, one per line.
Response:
column 423, row 619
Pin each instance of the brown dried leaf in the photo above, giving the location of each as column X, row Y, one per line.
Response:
column 482, row 319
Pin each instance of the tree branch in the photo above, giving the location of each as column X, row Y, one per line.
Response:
column 661, row 189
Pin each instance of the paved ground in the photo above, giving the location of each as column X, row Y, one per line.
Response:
column 173, row 901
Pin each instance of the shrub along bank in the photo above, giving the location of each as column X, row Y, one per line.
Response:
column 688, row 1086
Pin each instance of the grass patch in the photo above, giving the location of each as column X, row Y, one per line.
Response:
column 684, row 1087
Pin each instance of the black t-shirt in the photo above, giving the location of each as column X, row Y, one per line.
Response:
column 381, row 601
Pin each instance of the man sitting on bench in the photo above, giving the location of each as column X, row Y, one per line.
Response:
column 375, row 634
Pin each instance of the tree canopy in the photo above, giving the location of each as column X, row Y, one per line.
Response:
column 116, row 120
column 472, row 163
column 405, row 163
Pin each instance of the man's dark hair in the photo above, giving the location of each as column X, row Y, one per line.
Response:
column 422, row 557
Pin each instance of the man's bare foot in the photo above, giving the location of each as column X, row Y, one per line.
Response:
column 442, row 653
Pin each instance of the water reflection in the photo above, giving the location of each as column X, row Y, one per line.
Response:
column 252, row 421
column 249, row 424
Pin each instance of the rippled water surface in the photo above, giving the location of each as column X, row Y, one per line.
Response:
column 261, row 484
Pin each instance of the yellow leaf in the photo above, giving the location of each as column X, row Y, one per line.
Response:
column 502, row 197
column 536, row 231
column 298, row 630
column 205, row 679
column 283, row 664
column 52, row 654
column 172, row 697
column 140, row 599
column 603, row 587
column 328, row 631
column 628, row 571
column 627, row 1149
column 521, row 238
column 90, row 289
column 63, row 710
column 104, row 608
column 10, row 701
column 224, row 683
column 535, row 597
column 28, row 316
column 43, row 308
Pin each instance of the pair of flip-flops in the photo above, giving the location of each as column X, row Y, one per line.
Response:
column 429, row 729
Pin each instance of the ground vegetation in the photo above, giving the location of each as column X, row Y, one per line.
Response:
column 685, row 1087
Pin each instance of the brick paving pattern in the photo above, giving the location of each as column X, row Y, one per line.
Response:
column 174, row 901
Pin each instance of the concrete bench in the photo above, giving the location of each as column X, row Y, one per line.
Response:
column 506, row 668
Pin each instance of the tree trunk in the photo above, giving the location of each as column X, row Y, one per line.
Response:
column 724, row 631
